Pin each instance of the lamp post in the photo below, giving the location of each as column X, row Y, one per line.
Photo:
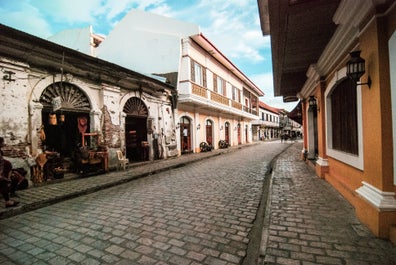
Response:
column 356, row 67
column 313, row 105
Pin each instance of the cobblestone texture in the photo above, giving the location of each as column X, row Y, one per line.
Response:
column 201, row 213
column 311, row 223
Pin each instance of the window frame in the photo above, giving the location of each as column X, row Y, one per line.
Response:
column 198, row 73
column 350, row 159
column 236, row 94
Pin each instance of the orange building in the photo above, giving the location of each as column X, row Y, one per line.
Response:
column 348, row 98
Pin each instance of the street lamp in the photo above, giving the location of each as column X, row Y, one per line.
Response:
column 356, row 68
column 313, row 105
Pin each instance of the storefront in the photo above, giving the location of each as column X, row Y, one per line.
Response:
column 71, row 112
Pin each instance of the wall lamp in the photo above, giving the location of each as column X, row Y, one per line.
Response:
column 198, row 126
column 313, row 104
column 356, row 68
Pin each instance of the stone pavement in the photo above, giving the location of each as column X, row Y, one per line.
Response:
column 59, row 190
column 308, row 222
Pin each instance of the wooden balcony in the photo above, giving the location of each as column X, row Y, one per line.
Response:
column 236, row 105
column 198, row 90
column 219, row 98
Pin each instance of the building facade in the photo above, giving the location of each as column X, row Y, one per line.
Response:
column 267, row 127
column 58, row 100
column 348, row 115
column 216, row 101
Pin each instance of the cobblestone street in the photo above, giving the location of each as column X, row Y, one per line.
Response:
column 309, row 222
column 201, row 213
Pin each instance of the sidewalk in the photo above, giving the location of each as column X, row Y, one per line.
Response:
column 308, row 222
column 59, row 190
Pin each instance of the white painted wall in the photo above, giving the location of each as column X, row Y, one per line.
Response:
column 146, row 43
column 76, row 39
column 213, row 67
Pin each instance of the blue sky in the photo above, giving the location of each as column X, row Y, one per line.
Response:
column 233, row 26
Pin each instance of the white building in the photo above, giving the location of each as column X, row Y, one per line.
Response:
column 216, row 101
column 267, row 127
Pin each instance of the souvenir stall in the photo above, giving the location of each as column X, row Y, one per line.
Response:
column 68, row 147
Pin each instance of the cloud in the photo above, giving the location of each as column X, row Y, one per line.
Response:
column 30, row 23
column 265, row 83
column 233, row 26
column 69, row 11
column 221, row 21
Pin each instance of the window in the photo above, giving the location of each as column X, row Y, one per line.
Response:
column 198, row 74
column 219, row 82
column 344, row 121
column 235, row 94
column 344, row 117
column 219, row 85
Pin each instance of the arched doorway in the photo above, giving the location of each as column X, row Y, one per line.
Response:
column 63, row 105
column 246, row 134
column 185, row 134
column 227, row 132
column 239, row 134
column 65, row 117
column 209, row 132
column 137, row 148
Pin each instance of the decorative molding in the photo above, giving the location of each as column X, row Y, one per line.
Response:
column 348, row 17
column 383, row 201
column 313, row 78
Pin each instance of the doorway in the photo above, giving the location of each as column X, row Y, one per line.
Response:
column 136, row 138
column 227, row 133
column 136, row 144
column 64, row 104
column 185, row 135
column 239, row 134
column 209, row 132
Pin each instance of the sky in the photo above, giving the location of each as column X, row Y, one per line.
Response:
column 233, row 26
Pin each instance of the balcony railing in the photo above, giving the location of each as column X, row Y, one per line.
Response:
column 198, row 90
column 236, row 105
column 250, row 110
column 203, row 92
column 219, row 98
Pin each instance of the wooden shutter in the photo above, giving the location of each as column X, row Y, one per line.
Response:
column 204, row 77
column 215, row 83
column 192, row 70
column 344, row 117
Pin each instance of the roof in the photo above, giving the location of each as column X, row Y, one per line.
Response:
column 269, row 108
column 41, row 53
column 300, row 31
